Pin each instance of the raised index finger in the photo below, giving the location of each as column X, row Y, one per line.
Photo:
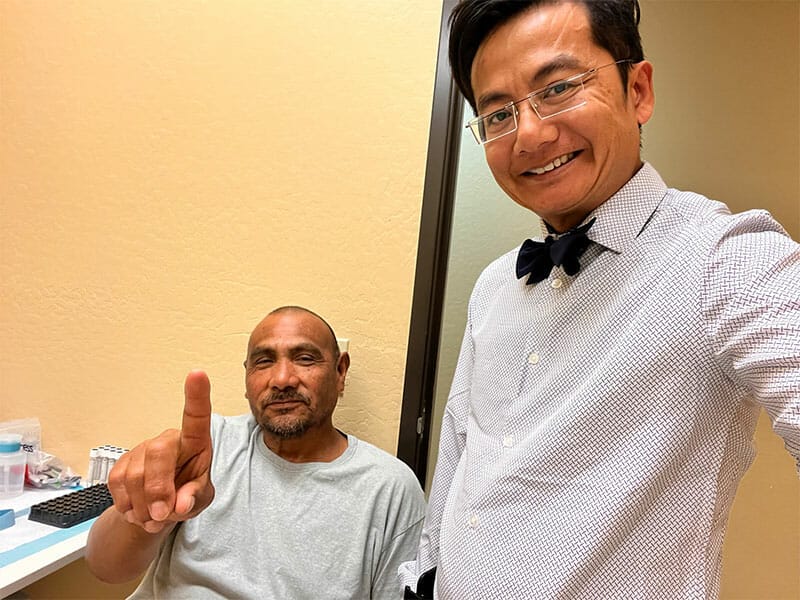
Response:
column 196, row 425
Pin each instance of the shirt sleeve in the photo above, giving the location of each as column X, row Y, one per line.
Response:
column 400, row 548
column 751, row 301
column 451, row 445
column 403, row 523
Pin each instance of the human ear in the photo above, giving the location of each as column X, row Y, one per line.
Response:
column 341, row 369
column 641, row 93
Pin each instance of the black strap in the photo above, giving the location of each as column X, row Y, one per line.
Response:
column 424, row 587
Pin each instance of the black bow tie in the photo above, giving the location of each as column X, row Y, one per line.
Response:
column 537, row 259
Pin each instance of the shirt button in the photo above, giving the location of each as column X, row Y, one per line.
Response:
column 533, row 358
column 473, row 521
column 556, row 283
column 508, row 441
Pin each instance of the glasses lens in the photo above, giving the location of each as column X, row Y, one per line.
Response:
column 494, row 125
column 559, row 97
column 476, row 126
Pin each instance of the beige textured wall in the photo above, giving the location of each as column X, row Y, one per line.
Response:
column 170, row 171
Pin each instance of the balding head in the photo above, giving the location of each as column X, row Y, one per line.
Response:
column 294, row 373
column 334, row 344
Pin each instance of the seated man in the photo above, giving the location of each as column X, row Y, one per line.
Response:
column 289, row 508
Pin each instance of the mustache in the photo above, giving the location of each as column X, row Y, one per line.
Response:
column 286, row 396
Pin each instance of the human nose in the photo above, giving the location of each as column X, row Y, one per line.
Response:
column 284, row 375
column 532, row 131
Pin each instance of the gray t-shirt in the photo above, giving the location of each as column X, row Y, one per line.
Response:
column 287, row 531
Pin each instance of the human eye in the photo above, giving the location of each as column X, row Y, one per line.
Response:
column 560, row 90
column 499, row 119
column 306, row 360
column 261, row 362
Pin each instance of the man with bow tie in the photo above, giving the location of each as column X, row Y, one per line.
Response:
column 611, row 375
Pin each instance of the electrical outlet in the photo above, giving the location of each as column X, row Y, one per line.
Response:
column 344, row 344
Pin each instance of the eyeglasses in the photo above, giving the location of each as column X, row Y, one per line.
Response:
column 554, row 99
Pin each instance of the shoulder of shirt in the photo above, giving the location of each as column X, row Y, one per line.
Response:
column 733, row 249
column 391, row 467
column 721, row 236
column 499, row 272
column 232, row 426
column 708, row 218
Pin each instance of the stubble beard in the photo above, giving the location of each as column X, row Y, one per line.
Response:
column 285, row 425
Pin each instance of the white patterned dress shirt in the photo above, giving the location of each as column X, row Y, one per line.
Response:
column 598, row 425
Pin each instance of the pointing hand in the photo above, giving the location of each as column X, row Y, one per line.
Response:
column 168, row 478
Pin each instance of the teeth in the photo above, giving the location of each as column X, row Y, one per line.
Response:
column 561, row 160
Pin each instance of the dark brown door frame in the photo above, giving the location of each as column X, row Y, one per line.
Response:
column 431, row 268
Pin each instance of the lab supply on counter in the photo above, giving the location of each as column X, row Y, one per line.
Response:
column 7, row 518
column 29, row 429
column 101, row 460
column 48, row 471
column 12, row 465
column 43, row 470
column 73, row 508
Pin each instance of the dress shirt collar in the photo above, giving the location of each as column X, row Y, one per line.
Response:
column 622, row 217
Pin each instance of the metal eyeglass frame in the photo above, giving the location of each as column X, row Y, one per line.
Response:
column 477, row 124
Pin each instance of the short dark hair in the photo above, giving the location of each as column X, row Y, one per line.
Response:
column 614, row 23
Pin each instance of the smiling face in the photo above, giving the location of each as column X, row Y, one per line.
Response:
column 563, row 167
column 292, row 375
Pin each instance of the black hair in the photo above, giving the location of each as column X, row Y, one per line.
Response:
column 614, row 23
